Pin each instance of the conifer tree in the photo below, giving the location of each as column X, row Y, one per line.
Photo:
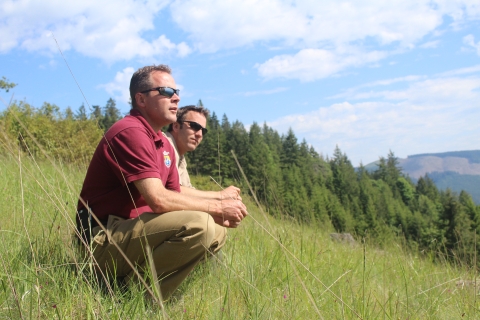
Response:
column 389, row 171
column 225, row 123
column 470, row 209
column 111, row 114
column 449, row 218
column 204, row 160
column 426, row 186
column 237, row 140
column 97, row 114
column 289, row 155
column 344, row 180
column 69, row 114
column 81, row 114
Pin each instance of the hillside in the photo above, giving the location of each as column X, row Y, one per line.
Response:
column 457, row 170
column 280, row 264
column 272, row 268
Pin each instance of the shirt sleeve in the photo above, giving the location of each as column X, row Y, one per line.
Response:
column 173, row 181
column 133, row 152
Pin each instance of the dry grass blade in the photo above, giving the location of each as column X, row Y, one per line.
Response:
column 158, row 298
column 11, row 284
column 26, row 229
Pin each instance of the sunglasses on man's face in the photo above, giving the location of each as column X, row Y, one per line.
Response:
column 196, row 126
column 164, row 91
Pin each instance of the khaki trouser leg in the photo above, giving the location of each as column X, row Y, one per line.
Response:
column 178, row 241
column 219, row 239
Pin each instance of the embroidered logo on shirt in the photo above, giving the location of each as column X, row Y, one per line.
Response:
column 166, row 159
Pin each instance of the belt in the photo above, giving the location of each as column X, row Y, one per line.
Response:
column 85, row 225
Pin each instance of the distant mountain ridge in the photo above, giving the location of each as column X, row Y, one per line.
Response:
column 472, row 155
column 417, row 166
column 457, row 170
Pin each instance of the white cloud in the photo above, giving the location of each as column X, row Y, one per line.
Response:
column 109, row 30
column 225, row 24
column 470, row 41
column 440, row 92
column 462, row 71
column 430, row 115
column 119, row 87
column 214, row 24
column 313, row 64
column 329, row 36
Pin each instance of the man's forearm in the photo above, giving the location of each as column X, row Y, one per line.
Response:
column 229, row 193
column 161, row 200
column 201, row 194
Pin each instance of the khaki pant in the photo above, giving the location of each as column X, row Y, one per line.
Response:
column 178, row 241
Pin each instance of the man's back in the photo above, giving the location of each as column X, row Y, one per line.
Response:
column 130, row 150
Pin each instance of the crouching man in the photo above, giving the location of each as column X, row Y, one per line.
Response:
column 185, row 135
column 132, row 186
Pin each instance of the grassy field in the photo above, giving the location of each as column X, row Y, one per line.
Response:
column 271, row 268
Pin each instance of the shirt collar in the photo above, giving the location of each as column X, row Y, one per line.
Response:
column 156, row 136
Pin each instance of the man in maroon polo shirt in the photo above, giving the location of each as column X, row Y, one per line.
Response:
column 132, row 187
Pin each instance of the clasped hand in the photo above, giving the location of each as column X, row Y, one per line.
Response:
column 230, row 192
column 233, row 212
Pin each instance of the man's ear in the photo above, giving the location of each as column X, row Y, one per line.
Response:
column 140, row 100
column 176, row 126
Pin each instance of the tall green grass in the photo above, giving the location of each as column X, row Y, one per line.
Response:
column 271, row 268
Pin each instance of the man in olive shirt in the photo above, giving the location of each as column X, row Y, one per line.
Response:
column 185, row 135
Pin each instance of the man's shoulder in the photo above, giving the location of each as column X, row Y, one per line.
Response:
column 126, row 123
column 168, row 135
column 170, row 139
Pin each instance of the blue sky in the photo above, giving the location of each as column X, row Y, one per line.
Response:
column 368, row 76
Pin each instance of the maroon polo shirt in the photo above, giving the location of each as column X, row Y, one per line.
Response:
column 129, row 151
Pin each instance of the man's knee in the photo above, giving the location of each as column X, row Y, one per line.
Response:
column 220, row 238
column 202, row 225
column 181, row 226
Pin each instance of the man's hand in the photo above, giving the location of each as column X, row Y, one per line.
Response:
column 225, row 223
column 230, row 193
column 230, row 210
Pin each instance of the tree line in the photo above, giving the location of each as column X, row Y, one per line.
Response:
column 49, row 132
column 290, row 178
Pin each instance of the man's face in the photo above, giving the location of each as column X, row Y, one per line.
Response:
column 186, row 138
column 157, row 109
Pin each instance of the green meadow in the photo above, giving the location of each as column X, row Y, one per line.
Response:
column 271, row 267
column 414, row 256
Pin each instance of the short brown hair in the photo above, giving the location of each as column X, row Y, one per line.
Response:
column 141, row 79
column 182, row 112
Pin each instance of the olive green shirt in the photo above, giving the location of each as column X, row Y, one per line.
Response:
column 181, row 164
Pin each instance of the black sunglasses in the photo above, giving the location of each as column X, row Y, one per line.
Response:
column 196, row 126
column 164, row 91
